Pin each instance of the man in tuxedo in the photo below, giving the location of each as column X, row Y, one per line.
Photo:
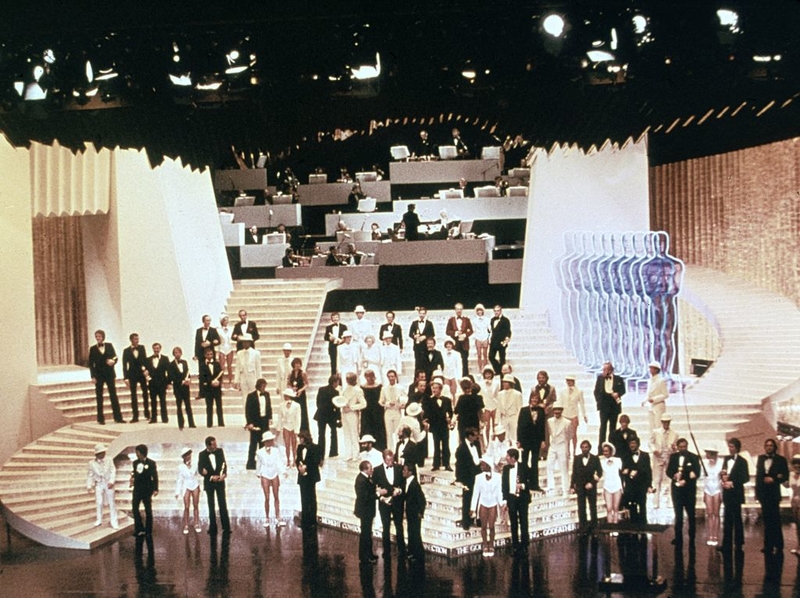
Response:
column 211, row 387
column 433, row 359
column 205, row 337
column 531, row 437
column 253, row 236
column 468, row 458
column 772, row 471
column 328, row 416
column 438, row 412
column 365, row 511
column 333, row 336
column 158, row 379
column 516, row 493
column 420, row 331
column 735, row 474
column 102, row 362
column 394, row 328
column 388, row 478
column 415, row 510
column 242, row 327
column 258, row 418
column 212, row 466
column 181, row 380
column 459, row 328
column 637, row 480
column 307, row 463
column 620, row 437
column 683, row 469
column 406, row 449
column 134, row 368
column 586, row 472
column 608, row 391
column 411, row 222
column 500, row 327
column 458, row 142
column 144, row 481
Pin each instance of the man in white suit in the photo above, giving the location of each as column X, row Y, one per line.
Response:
column 248, row 366
column 101, row 478
column 283, row 369
column 390, row 357
column 657, row 395
column 558, row 439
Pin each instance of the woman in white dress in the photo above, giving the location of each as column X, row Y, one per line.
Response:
column 794, row 486
column 187, row 488
column 370, row 356
column 712, row 494
column 481, row 330
column 353, row 403
column 290, row 420
column 226, row 350
column 489, row 386
column 612, row 482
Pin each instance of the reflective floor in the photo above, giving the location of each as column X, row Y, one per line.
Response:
column 257, row 562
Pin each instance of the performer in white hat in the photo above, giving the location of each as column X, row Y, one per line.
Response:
column 557, row 437
column 187, row 489
column 361, row 326
column 283, row 368
column 269, row 467
column 657, row 395
column 101, row 478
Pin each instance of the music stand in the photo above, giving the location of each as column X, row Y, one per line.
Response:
column 448, row 152
column 400, row 152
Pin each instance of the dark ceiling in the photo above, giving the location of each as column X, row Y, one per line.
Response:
column 693, row 85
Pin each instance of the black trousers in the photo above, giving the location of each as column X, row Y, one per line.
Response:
column 518, row 518
column 732, row 528
column 112, row 397
column 158, row 397
column 585, row 496
column 214, row 397
column 147, row 500
column 530, row 457
column 333, row 353
column 182, row 400
column 415, row 547
column 773, row 534
column 135, row 384
column 684, row 499
column 215, row 494
column 637, row 505
column 365, row 539
column 497, row 357
column 308, row 503
column 464, row 360
column 441, row 448
column 466, row 502
column 608, row 423
column 321, row 427
column 389, row 513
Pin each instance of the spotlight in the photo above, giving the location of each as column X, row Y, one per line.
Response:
column 48, row 56
column 468, row 74
column 367, row 71
column 729, row 18
column 639, row 24
column 553, row 24
column 181, row 80
column 599, row 55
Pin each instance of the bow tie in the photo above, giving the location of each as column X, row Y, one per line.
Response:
column 609, row 377
column 101, row 345
column 636, row 454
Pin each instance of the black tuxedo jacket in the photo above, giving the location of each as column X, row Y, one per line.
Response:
column 212, row 337
column 204, row 464
column 779, row 472
column 209, row 373
column 249, row 239
column 397, row 333
column 98, row 368
column 176, row 376
column 739, row 474
column 691, row 464
column 330, row 337
column 606, row 402
column 509, row 486
column 252, row 411
column 531, row 434
column 501, row 329
column 159, row 373
column 365, row 497
column 251, row 329
column 327, row 412
column 620, row 441
column 466, row 470
column 438, row 417
column 414, row 500
column 133, row 367
column 407, row 454
column 381, row 481
column 584, row 474
column 452, row 331
column 145, row 482
column 308, row 454
column 641, row 482
column 411, row 220
column 432, row 361
column 425, row 329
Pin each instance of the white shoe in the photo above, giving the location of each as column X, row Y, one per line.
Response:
column 185, row 531
column 266, row 524
column 281, row 524
column 98, row 523
column 198, row 529
column 115, row 526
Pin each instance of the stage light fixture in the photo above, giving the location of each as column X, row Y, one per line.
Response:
column 181, row 80
column 614, row 39
column 49, row 56
column 554, row 25
column 599, row 55
column 367, row 71
column 469, row 74
column 209, row 86
column 106, row 74
column 639, row 24
column 729, row 18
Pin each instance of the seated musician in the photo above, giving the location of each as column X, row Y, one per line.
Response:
column 333, row 258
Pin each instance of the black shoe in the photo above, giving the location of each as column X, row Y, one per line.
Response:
column 101, row 423
column 435, row 469
column 134, row 420
column 119, row 421
column 250, row 467
column 152, row 421
column 448, row 468
column 192, row 426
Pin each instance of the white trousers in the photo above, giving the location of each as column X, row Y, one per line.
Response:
column 349, row 448
column 107, row 494
column 557, row 457
column 391, row 418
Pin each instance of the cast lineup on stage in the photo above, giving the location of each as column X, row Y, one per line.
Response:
column 388, row 429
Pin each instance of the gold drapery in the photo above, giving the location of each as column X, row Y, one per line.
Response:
column 60, row 291
column 737, row 212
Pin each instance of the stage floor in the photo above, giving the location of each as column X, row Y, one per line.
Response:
column 259, row 562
